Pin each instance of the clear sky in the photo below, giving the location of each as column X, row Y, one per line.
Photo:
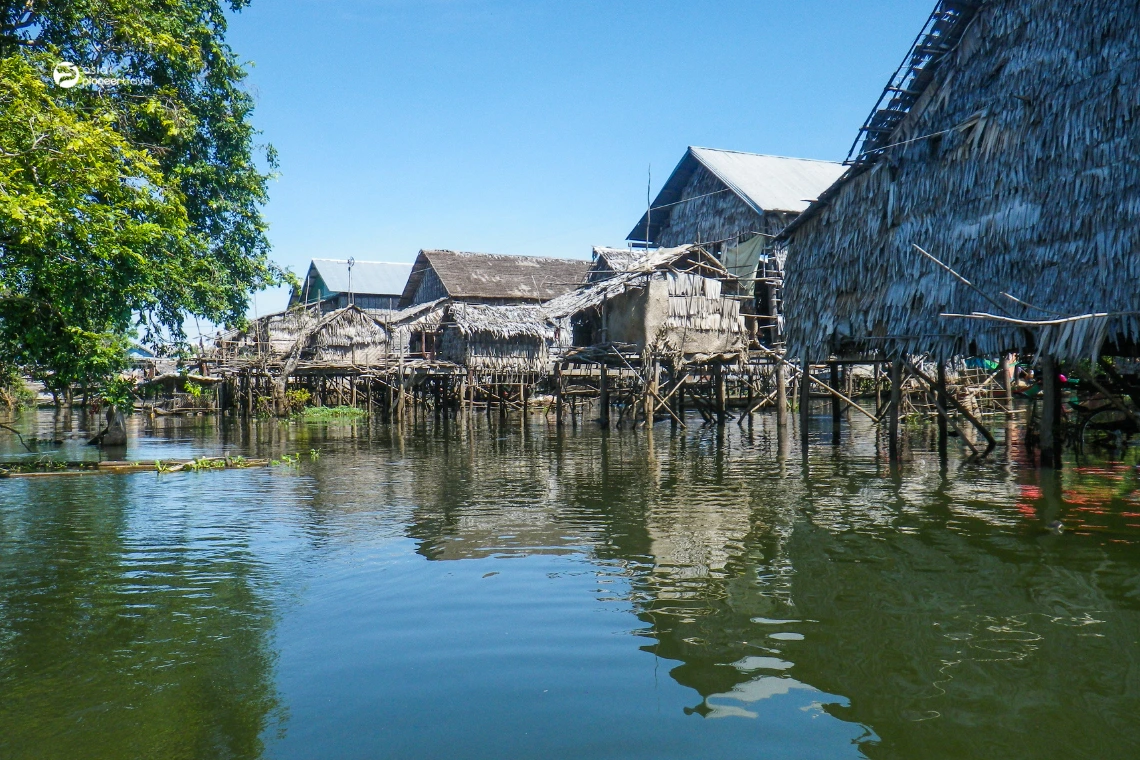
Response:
column 528, row 127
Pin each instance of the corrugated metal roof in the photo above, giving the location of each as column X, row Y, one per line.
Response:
column 766, row 183
column 368, row 277
column 770, row 183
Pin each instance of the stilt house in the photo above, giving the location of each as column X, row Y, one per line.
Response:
column 497, row 338
column 733, row 204
column 334, row 284
column 346, row 336
column 1005, row 146
column 669, row 300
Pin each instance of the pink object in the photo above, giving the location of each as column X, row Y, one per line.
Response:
column 1063, row 378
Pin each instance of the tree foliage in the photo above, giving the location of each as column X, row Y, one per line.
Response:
column 128, row 204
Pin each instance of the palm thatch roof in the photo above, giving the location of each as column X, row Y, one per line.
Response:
column 606, row 283
column 488, row 277
column 1011, row 164
column 503, row 322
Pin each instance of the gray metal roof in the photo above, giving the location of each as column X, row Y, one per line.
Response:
column 770, row 183
column 368, row 277
column 766, row 183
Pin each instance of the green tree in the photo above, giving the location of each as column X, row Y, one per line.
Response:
column 128, row 204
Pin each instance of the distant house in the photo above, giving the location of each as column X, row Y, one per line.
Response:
column 367, row 284
column 487, row 278
column 733, row 204
column 670, row 300
column 721, row 198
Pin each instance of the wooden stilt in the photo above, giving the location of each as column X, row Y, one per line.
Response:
column 604, row 396
column 896, row 408
column 1050, row 414
column 805, row 401
column 943, row 403
column 781, row 398
column 836, row 404
column 558, row 395
column 721, row 401
column 1006, row 382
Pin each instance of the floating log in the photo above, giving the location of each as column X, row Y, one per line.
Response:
column 44, row 469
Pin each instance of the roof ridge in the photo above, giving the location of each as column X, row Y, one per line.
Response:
column 766, row 155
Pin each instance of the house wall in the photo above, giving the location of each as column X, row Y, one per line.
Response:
column 666, row 313
column 711, row 218
column 430, row 288
column 485, row 352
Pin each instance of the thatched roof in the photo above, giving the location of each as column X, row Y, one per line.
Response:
column 608, row 261
column 270, row 335
column 507, row 322
column 494, row 277
column 1013, row 166
column 634, row 274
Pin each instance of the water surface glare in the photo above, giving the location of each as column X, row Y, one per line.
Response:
column 493, row 589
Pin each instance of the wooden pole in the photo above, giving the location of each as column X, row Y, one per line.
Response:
column 805, row 400
column 1050, row 417
column 896, row 407
column 1006, row 382
column 721, row 401
column 940, row 394
column 836, row 404
column 558, row 394
column 781, row 397
column 604, row 397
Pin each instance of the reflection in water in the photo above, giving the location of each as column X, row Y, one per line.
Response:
column 129, row 628
column 492, row 589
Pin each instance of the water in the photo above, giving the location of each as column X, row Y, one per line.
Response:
column 495, row 590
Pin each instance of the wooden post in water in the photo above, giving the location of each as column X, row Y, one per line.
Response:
column 1006, row 382
column 781, row 398
column 943, row 403
column 1050, row 414
column 836, row 406
column 721, row 401
column 805, row 400
column 558, row 395
column 896, row 408
column 604, row 397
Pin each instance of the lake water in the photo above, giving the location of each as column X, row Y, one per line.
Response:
column 496, row 590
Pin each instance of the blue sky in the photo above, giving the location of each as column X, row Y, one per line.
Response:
column 529, row 127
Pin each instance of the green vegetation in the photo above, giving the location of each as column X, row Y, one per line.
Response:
column 297, row 399
column 330, row 413
column 125, row 205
